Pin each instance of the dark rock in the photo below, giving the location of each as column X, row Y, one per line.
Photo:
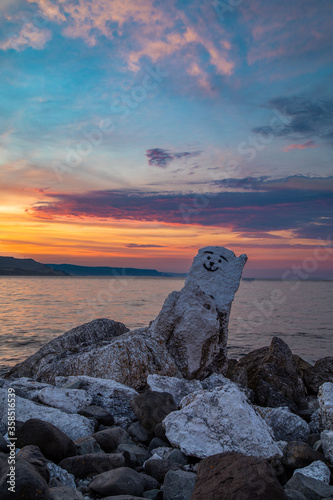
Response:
column 311, row 488
column 157, row 443
column 302, row 365
column 34, row 457
column 231, row 475
column 160, row 432
column 137, row 454
column 178, row 485
column 122, row 481
column 93, row 463
column 3, row 457
column 178, row 457
column 152, row 407
column 153, row 495
column 123, row 497
column 149, row 482
column 298, row 454
column 3, row 445
column 89, row 334
column 87, row 445
column 29, row 485
column 138, row 433
column 102, row 415
column 52, row 442
column 64, row 492
column 321, row 372
column 313, row 438
column 274, row 376
column 159, row 468
column 109, row 439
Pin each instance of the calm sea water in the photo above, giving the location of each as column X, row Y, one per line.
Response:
column 34, row 310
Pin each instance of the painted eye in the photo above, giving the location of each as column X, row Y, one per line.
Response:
column 208, row 258
column 219, row 260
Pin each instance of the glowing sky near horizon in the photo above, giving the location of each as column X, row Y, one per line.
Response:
column 134, row 132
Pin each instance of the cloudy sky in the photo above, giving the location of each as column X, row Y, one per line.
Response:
column 134, row 132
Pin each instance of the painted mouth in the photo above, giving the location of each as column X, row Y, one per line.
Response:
column 211, row 269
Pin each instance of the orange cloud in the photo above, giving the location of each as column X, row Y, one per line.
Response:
column 306, row 145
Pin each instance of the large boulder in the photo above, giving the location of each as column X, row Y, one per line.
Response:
column 232, row 475
column 90, row 334
column 286, row 425
column 122, row 481
column 25, row 482
column 178, row 387
column 274, row 376
column 75, row 426
column 194, row 321
column 217, row 421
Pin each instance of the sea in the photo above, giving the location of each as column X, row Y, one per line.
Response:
column 35, row 310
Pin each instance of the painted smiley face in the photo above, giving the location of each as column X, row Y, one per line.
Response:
column 212, row 262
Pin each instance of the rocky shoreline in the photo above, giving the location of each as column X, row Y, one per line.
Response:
column 161, row 412
column 263, row 431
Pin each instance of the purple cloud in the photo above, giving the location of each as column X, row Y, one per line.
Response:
column 158, row 157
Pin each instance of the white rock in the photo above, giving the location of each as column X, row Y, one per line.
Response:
column 75, row 426
column 286, row 425
column 70, row 400
column 218, row 421
column 162, row 452
column 316, row 470
column 326, row 438
column 178, row 387
column 194, row 321
column 325, row 398
column 107, row 393
column 213, row 381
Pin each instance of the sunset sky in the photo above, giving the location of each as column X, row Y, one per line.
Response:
column 134, row 132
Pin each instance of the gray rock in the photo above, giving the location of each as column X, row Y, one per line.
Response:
column 149, row 482
column 178, row 485
column 194, row 321
column 115, row 397
column 327, row 444
column 317, row 470
column 286, row 425
column 59, row 476
column 138, row 433
column 102, row 415
column 87, row 445
column 152, row 407
column 122, row 481
column 138, row 454
column 178, row 387
column 315, row 424
column 110, row 439
column 295, row 495
column 298, row 454
column 69, row 400
column 153, row 495
column 159, row 468
column 177, row 457
column 65, row 493
column 157, row 443
column 90, row 334
column 311, row 488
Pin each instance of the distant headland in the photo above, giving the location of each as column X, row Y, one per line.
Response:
column 10, row 266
